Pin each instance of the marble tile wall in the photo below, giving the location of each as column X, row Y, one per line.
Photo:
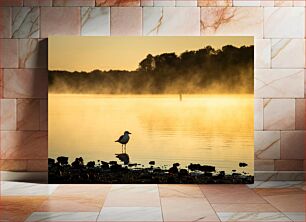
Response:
column 277, row 25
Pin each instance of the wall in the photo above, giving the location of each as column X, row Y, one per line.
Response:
column 278, row 27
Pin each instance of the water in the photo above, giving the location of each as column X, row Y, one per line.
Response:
column 207, row 129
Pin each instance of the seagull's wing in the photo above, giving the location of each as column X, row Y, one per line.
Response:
column 120, row 138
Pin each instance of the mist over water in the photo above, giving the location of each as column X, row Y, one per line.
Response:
column 229, row 70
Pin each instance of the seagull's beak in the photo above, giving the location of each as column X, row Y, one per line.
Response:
column 130, row 133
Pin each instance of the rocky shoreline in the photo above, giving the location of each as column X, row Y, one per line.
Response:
column 60, row 171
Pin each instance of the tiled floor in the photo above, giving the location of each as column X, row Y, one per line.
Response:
column 270, row 201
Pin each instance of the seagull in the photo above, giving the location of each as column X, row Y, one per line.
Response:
column 124, row 139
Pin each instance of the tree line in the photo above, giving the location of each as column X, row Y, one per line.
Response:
column 207, row 70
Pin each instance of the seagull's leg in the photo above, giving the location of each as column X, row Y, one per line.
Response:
column 125, row 148
column 121, row 148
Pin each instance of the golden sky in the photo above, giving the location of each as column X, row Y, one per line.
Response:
column 74, row 53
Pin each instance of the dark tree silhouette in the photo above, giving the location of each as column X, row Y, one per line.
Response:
column 207, row 70
column 148, row 64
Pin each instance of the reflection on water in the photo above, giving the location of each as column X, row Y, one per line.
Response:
column 206, row 129
column 123, row 157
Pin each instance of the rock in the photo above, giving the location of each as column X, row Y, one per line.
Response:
column 78, row 163
column 221, row 173
column 115, row 167
column 203, row 168
column 206, row 168
column 243, row 164
column 119, row 173
column 176, row 164
column 104, row 165
column 51, row 161
column 157, row 170
column 173, row 170
column 145, row 175
column 62, row 160
column 208, row 174
column 91, row 164
column 81, row 161
column 183, row 172
column 113, row 162
column 170, row 179
column 152, row 162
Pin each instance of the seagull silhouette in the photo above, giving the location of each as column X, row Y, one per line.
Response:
column 124, row 139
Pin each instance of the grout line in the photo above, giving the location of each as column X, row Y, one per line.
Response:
column 263, row 115
column 278, row 210
column 209, row 202
column 161, row 208
column 111, row 185
column 39, row 22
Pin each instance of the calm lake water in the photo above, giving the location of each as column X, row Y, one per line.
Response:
column 207, row 129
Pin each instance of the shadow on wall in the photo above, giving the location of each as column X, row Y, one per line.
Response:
column 29, row 143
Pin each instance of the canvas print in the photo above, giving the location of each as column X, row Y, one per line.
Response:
column 151, row 109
